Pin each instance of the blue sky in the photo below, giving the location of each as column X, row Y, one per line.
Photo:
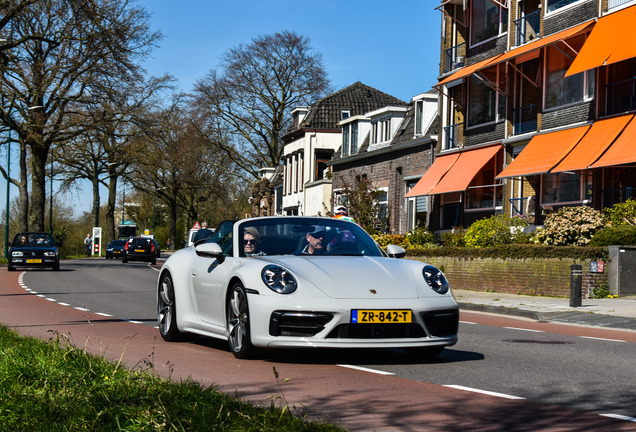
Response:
column 391, row 46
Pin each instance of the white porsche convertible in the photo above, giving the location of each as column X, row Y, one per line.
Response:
column 282, row 282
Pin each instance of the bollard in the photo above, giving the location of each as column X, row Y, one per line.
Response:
column 576, row 279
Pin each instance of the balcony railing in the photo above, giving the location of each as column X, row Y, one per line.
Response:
column 620, row 96
column 451, row 136
column 525, row 119
column 455, row 57
column 527, row 27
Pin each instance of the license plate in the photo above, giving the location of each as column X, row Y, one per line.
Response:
column 139, row 250
column 375, row 316
column 34, row 261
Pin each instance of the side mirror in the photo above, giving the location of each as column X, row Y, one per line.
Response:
column 210, row 250
column 394, row 251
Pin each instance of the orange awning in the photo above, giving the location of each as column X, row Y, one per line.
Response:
column 545, row 41
column 621, row 151
column 611, row 41
column 600, row 136
column 467, row 70
column 543, row 152
column 534, row 45
column 460, row 175
column 434, row 174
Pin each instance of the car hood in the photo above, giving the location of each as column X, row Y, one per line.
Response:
column 354, row 276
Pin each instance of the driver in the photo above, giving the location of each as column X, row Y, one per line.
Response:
column 316, row 242
column 251, row 242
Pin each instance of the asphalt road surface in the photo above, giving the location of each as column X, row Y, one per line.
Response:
column 574, row 373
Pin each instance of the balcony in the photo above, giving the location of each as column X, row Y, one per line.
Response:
column 455, row 57
column 524, row 119
column 620, row 96
column 611, row 4
column 527, row 28
column 451, row 136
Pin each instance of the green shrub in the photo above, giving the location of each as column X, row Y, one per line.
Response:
column 621, row 213
column 420, row 237
column 570, row 226
column 624, row 235
column 516, row 251
column 454, row 238
column 386, row 239
column 497, row 230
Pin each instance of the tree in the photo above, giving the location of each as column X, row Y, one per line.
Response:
column 248, row 97
column 81, row 50
column 361, row 199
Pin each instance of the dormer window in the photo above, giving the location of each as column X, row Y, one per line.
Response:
column 345, row 114
column 349, row 139
column 381, row 131
column 419, row 117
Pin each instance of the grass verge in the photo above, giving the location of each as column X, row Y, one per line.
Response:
column 54, row 386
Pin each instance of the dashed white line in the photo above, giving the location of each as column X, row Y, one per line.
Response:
column 375, row 371
column 525, row 329
column 620, row 417
column 468, row 322
column 103, row 314
column 486, row 392
column 602, row 339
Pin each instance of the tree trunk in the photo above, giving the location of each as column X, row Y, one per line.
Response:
column 38, row 187
column 110, row 209
column 23, row 217
column 96, row 201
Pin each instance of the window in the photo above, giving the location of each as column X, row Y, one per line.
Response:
column 488, row 20
column 321, row 159
column 419, row 116
column 416, row 209
column 565, row 188
column 381, row 131
column 557, row 4
column 349, row 139
column 485, row 104
column 561, row 90
column 345, row 114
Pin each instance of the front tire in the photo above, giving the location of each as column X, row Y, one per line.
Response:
column 238, row 323
column 167, row 310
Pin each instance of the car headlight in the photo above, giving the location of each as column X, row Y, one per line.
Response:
column 279, row 279
column 49, row 254
column 435, row 279
column 17, row 254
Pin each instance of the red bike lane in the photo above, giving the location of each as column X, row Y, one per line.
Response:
column 354, row 399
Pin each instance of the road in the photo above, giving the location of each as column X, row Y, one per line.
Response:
column 570, row 370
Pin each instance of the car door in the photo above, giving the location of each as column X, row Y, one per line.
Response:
column 209, row 278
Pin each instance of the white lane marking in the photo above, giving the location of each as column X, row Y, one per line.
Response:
column 375, row 371
column 486, row 392
column 468, row 322
column 602, row 339
column 524, row 329
column 103, row 314
column 63, row 304
column 82, row 309
column 620, row 417
column 134, row 322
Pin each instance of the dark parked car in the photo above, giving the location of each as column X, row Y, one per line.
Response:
column 140, row 249
column 115, row 249
column 34, row 249
column 157, row 247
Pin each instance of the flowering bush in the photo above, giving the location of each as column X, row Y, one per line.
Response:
column 570, row 226
column 497, row 230
column 420, row 237
column 386, row 239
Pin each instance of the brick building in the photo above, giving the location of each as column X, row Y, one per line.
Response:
column 537, row 99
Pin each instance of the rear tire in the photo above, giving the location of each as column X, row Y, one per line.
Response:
column 238, row 323
column 167, row 310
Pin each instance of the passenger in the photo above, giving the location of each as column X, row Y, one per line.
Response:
column 203, row 233
column 251, row 242
column 316, row 242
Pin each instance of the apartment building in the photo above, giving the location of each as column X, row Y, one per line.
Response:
column 537, row 99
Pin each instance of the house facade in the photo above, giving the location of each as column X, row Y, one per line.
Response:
column 537, row 99
column 315, row 138
column 391, row 147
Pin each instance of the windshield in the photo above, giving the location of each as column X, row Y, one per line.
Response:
column 305, row 236
column 33, row 239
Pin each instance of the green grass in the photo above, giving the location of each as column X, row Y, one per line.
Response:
column 53, row 386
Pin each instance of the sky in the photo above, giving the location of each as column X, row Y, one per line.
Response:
column 391, row 46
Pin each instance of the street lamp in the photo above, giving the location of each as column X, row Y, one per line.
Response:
column 154, row 208
column 6, row 224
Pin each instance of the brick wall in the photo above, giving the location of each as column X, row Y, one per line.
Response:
column 543, row 277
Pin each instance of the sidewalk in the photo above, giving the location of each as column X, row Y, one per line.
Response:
column 612, row 313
